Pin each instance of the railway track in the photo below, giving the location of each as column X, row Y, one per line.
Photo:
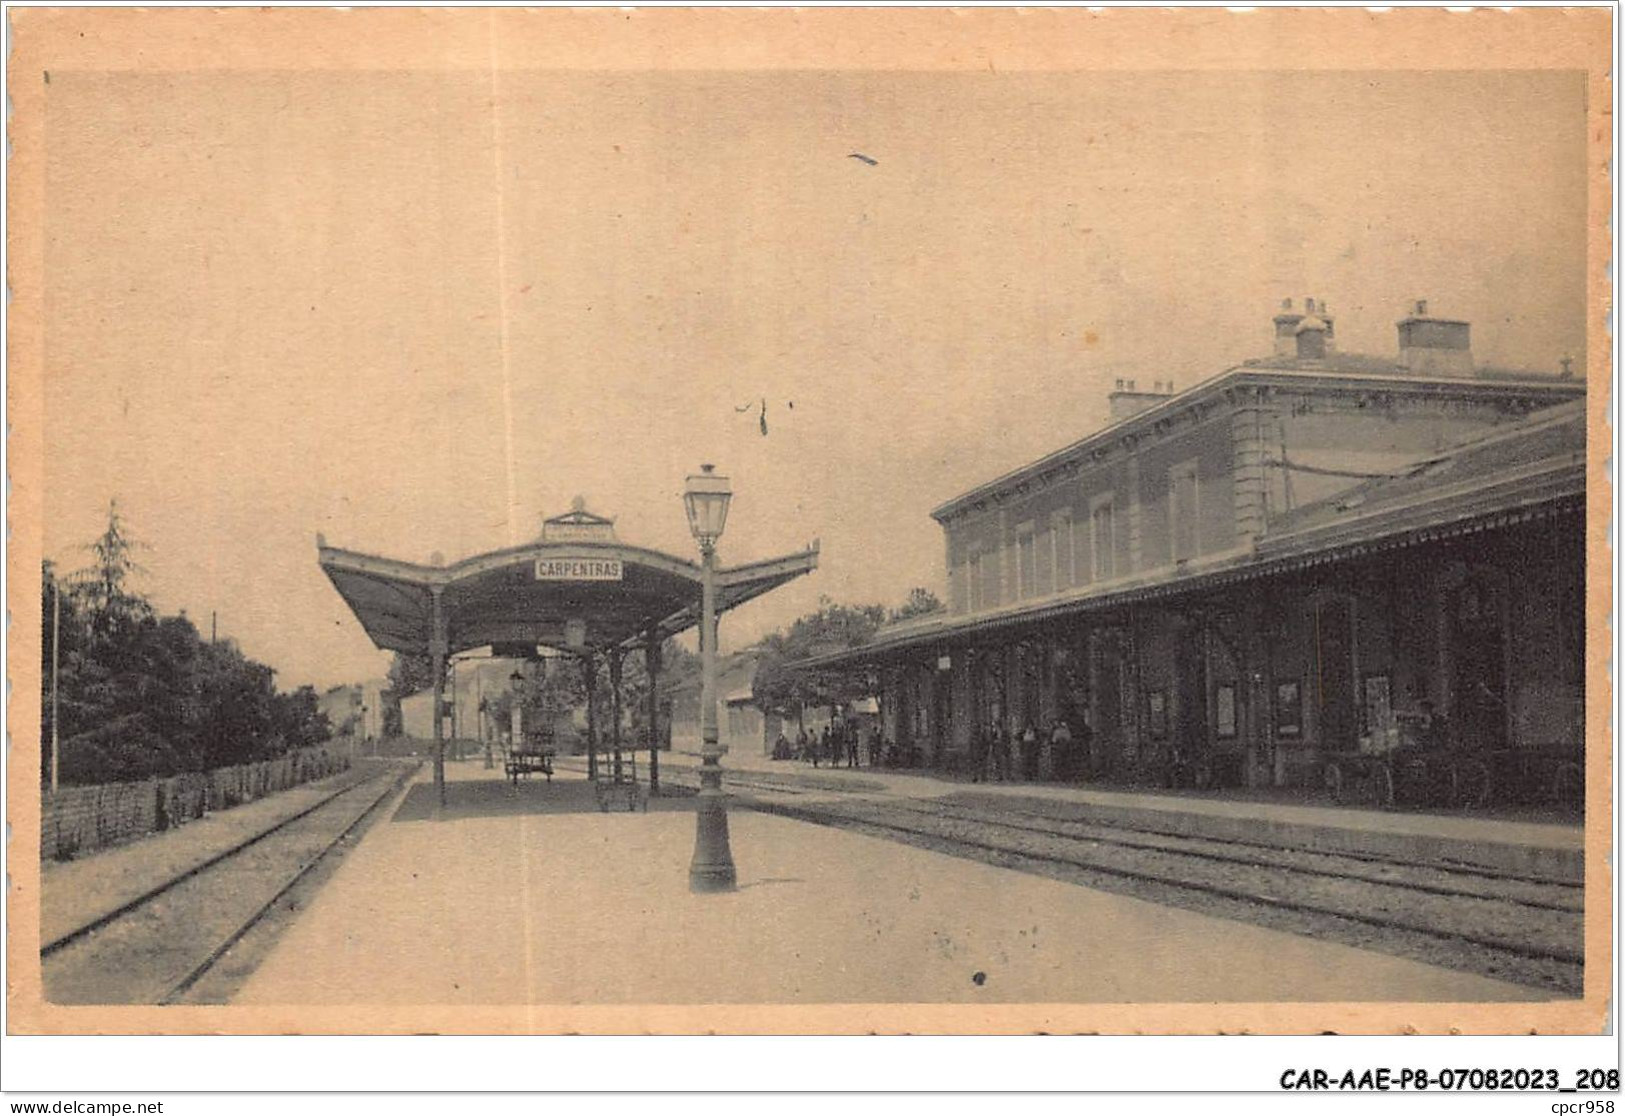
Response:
column 1498, row 924
column 155, row 948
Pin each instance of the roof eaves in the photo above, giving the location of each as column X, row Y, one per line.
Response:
column 1387, row 376
column 1553, row 489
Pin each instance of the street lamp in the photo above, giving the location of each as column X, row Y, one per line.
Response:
column 706, row 496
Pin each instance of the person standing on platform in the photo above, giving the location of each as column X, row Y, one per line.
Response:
column 1089, row 759
column 1060, row 752
column 802, row 752
column 1029, row 752
column 1001, row 752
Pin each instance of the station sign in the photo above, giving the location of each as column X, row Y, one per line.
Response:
column 582, row 530
column 579, row 569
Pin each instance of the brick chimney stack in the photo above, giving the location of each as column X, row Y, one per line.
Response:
column 1290, row 340
column 1433, row 346
column 1286, row 329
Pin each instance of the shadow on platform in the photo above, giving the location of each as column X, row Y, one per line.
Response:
column 492, row 798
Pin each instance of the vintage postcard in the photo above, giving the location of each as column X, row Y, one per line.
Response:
column 809, row 521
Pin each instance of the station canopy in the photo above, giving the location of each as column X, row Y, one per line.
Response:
column 577, row 589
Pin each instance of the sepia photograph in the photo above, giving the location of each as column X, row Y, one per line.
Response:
column 834, row 522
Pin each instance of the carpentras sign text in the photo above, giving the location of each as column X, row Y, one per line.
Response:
column 578, row 569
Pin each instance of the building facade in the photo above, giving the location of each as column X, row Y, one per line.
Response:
column 741, row 724
column 1237, row 580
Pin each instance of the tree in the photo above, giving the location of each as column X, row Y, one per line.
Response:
column 103, row 587
column 297, row 721
column 410, row 674
column 390, row 723
column 677, row 666
column 921, row 602
column 782, row 686
column 142, row 695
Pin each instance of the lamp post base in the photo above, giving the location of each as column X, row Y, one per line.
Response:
column 712, row 868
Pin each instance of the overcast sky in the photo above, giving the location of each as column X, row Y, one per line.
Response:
column 418, row 312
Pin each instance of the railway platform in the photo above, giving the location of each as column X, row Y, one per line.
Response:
column 1539, row 848
column 531, row 895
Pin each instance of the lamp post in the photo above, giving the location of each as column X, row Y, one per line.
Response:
column 706, row 496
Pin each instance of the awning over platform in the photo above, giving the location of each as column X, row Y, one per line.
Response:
column 566, row 595
column 1528, row 470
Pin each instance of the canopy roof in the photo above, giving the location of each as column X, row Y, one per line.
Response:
column 501, row 598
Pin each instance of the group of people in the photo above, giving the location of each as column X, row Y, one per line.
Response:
column 841, row 742
column 998, row 753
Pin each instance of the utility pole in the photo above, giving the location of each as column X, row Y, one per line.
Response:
column 214, row 618
column 56, row 660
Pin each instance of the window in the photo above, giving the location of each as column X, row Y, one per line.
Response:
column 1103, row 539
column 1224, row 715
column 1288, row 708
column 1026, row 562
column 1182, row 510
column 1061, row 543
column 974, row 595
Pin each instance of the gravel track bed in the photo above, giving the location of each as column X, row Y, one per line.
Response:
column 1492, row 937
column 1419, row 877
column 800, row 784
column 1048, row 811
column 140, row 957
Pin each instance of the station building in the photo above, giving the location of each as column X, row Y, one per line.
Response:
column 1236, row 580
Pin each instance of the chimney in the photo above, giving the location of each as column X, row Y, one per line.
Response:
column 1286, row 326
column 1128, row 400
column 1287, row 323
column 1310, row 338
column 1432, row 346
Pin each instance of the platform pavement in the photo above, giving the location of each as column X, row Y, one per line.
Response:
column 1548, row 850
column 530, row 895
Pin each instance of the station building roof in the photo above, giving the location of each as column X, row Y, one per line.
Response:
column 1338, row 371
column 1525, row 470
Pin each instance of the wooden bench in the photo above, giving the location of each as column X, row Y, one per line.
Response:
column 527, row 763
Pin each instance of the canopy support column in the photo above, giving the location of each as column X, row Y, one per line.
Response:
column 615, row 708
column 437, row 660
column 589, row 672
column 651, row 665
